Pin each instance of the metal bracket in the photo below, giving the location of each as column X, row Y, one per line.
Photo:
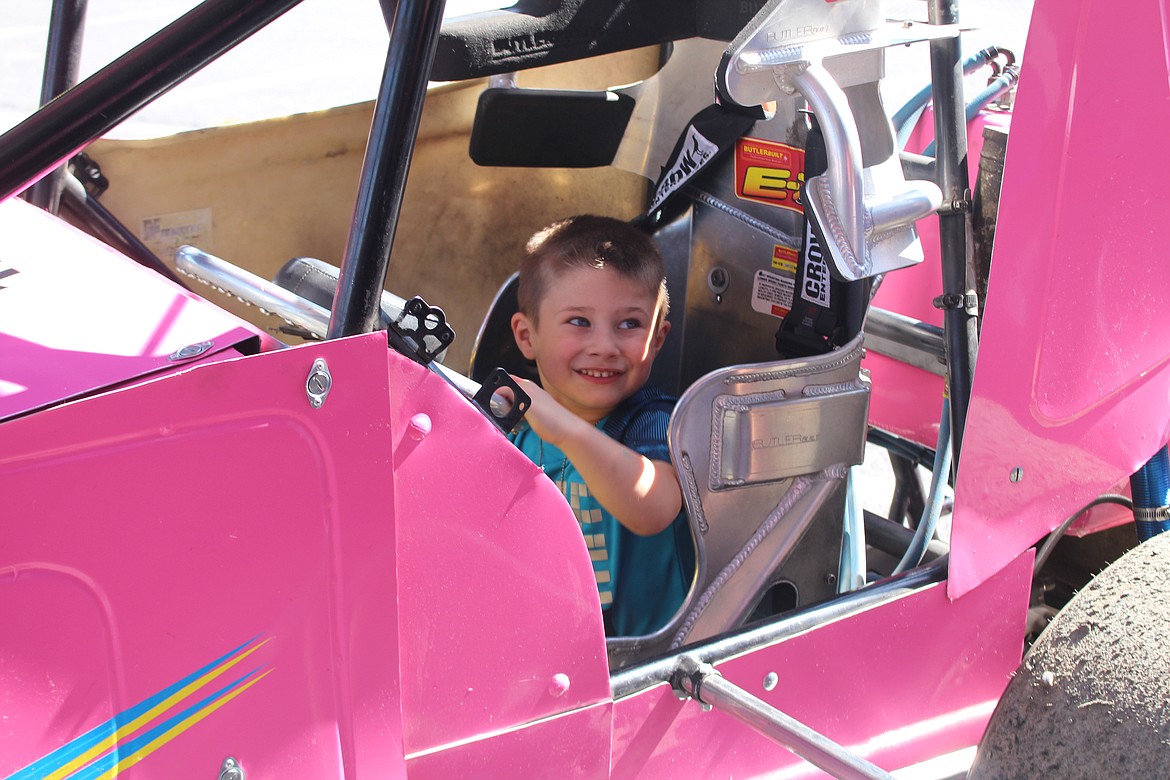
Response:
column 968, row 301
column 496, row 406
column 430, row 328
column 89, row 173
column 962, row 205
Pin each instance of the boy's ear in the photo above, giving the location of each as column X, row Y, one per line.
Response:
column 522, row 331
column 660, row 337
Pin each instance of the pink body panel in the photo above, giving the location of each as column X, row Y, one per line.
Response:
column 898, row 684
column 1074, row 365
column 77, row 316
column 569, row 746
column 497, row 593
column 152, row 530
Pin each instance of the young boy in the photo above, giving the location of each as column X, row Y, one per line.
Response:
column 593, row 303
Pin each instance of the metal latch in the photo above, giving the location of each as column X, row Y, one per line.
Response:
column 427, row 337
column 507, row 408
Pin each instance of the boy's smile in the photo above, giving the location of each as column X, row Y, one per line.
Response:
column 594, row 340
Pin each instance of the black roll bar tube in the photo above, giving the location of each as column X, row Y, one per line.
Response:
column 62, row 65
column 414, row 34
column 960, row 307
column 52, row 135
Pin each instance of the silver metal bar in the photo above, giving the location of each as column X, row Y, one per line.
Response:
column 906, row 339
column 843, row 146
column 289, row 306
column 917, row 200
column 248, row 287
column 704, row 684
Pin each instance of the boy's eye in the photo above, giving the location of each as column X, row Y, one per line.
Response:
column 632, row 323
column 579, row 322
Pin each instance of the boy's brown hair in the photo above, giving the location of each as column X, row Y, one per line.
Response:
column 588, row 241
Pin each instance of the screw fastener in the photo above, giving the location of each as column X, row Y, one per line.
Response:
column 319, row 383
column 231, row 770
column 1017, row 474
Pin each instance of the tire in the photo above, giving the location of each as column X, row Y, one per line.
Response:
column 1092, row 697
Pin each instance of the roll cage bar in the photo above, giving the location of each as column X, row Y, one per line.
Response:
column 531, row 33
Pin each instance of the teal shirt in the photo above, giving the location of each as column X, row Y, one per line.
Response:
column 642, row 580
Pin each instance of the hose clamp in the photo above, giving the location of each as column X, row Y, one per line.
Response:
column 1151, row 514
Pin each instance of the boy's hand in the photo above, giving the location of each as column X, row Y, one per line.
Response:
column 551, row 421
column 643, row 494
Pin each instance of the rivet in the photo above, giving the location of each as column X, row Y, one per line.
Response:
column 190, row 351
column 559, row 685
column 419, row 426
column 770, row 681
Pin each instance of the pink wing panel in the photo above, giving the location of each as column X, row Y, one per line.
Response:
column 1073, row 376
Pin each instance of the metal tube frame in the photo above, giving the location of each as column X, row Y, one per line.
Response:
column 52, row 135
column 703, row 683
column 62, row 65
column 77, row 207
column 414, row 36
column 961, row 309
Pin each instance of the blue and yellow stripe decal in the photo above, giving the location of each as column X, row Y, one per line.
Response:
column 125, row 739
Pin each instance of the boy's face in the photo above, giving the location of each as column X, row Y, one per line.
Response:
column 597, row 338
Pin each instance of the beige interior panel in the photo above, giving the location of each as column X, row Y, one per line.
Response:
column 262, row 193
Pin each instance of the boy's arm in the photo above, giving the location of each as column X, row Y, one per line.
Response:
column 642, row 494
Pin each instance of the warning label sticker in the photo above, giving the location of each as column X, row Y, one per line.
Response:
column 784, row 258
column 769, row 172
column 772, row 294
column 167, row 232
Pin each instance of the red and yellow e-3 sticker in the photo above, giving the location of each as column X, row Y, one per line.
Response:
column 769, row 172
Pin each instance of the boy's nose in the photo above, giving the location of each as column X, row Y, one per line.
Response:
column 603, row 344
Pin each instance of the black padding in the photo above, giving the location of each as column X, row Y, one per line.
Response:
column 544, row 128
column 495, row 347
column 312, row 279
column 543, row 32
column 316, row 280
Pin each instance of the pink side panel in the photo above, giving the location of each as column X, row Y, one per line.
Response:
column 497, row 599
column 1074, row 367
column 899, row 684
column 575, row 745
column 76, row 316
column 151, row 530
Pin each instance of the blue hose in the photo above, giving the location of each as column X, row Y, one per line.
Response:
column 906, row 117
column 934, row 500
column 915, row 104
column 999, row 85
column 1150, row 486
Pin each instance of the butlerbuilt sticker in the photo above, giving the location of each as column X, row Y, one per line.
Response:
column 768, row 172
